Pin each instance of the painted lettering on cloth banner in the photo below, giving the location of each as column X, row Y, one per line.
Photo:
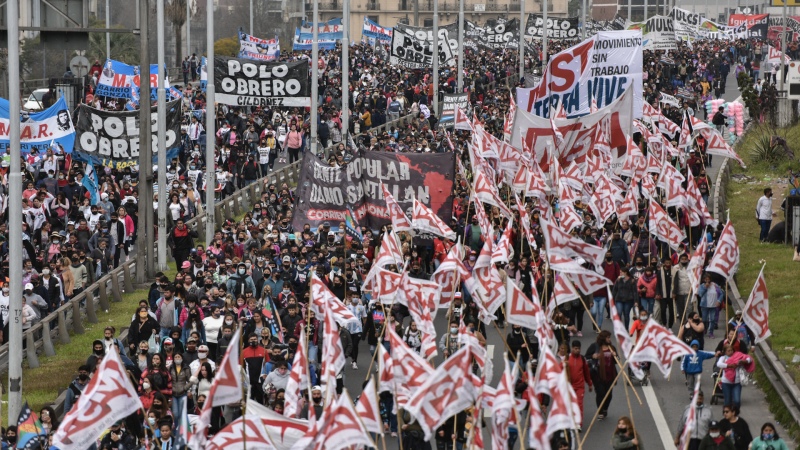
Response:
column 111, row 138
column 658, row 33
column 39, row 130
column 598, row 69
column 757, row 25
column 413, row 47
column 261, row 83
column 325, row 192
column 251, row 47
column 685, row 23
column 373, row 30
column 557, row 28
column 120, row 80
column 449, row 105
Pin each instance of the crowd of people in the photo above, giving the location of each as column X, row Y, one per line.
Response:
column 254, row 275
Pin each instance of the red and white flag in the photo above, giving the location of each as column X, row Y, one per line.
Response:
column 508, row 125
column 479, row 353
column 716, row 145
column 756, row 311
column 384, row 285
column 341, row 427
column 385, row 363
column 519, row 309
column 410, row 370
column 108, row 397
column 659, row 346
column 564, row 410
column 333, row 357
column 420, row 297
column 368, row 410
column 446, row 275
column 451, row 388
column 502, row 250
column 298, row 379
column 685, row 139
column 490, row 286
column 697, row 206
column 503, row 408
column 322, row 297
column 563, row 290
column 696, row 264
column 629, row 206
column 602, row 200
column 623, row 338
column 462, row 121
column 726, row 257
column 486, row 190
column 400, row 221
column 225, row 389
column 537, row 428
column 281, row 431
column 424, row 219
column 559, row 242
column 587, row 281
column 691, row 417
column 244, row 432
column 663, row 227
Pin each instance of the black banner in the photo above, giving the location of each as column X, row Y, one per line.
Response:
column 496, row 34
column 448, row 107
column 245, row 82
column 325, row 192
column 557, row 28
column 412, row 47
column 111, row 138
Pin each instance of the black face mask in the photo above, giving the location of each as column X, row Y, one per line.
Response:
column 83, row 377
column 100, row 352
column 253, row 344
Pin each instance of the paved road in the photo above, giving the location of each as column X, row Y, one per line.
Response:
column 663, row 401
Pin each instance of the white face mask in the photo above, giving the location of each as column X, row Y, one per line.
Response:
column 713, row 434
column 145, row 386
column 202, row 355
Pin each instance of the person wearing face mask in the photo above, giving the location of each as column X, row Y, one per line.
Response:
column 768, row 439
column 715, row 440
column 625, row 437
column 76, row 388
column 180, row 373
column 317, row 402
column 202, row 358
column 764, row 213
column 213, row 327
column 181, row 241
column 625, row 294
column 448, row 344
column 681, row 286
column 50, row 286
column 240, row 282
column 702, row 423
column 253, row 357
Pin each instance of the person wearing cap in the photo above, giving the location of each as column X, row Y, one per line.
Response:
column 202, row 358
column 35, row 300
column 317, row 400
column 715, row 440
column 117, row 438
column 702, row 423
column 692, row 365
column 743, row 333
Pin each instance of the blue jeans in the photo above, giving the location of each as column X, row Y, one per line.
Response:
column 598, row 310
column 624, row 310
column 647, row 304
column 709, row 318
column 732, row 393
column 765, row 225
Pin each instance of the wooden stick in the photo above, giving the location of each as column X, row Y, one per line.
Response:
column 616, row 358
column 596, row 413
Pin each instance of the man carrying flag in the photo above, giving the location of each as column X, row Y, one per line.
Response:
column 30, row 434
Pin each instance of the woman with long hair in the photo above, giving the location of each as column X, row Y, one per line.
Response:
column 49, row 419
column 158, row 375
column 603, row 370
column 625, row 437
column 768, row 439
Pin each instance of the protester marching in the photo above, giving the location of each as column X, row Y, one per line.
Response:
column 565, row 213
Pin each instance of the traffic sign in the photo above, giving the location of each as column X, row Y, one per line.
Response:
column 79, row 66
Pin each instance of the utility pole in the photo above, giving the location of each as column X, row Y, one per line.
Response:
column 188, row 28
column 583, row 20
column 783, row 49
column 108, row 35
column 161, row 109
column 346, row 70
column 436, row 57
column 521, row 36
column 144, row 232
column 314, row 78
column 544, row 35
column 461, row 50
column 251, row 17
column 15, row 222
column 211, row 113
column 416, row 13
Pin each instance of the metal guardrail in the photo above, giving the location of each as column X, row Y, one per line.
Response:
column 774, row 369
column 55, row 327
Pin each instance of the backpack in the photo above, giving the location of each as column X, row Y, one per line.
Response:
column 719, row 119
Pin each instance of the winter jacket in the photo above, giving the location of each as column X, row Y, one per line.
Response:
column 693, row 365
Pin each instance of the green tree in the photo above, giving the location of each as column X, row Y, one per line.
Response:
column 124, row 46
column 573, row 7
column 175, row 12
column 227, row 46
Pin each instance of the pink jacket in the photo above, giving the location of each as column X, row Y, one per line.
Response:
column 729, row 373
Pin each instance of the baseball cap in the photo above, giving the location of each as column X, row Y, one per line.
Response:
column 713, row 425
column 331, row 233
column 29, row 286
column 287, row 259
column 167, row 341
column 202, row 348
column 185, row 265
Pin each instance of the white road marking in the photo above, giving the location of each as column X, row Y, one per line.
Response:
column 667, row 442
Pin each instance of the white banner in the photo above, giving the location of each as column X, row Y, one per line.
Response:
column 658, row 33
column 670, row 100
column 251, row 47
column 685, row 23
column 608, row 63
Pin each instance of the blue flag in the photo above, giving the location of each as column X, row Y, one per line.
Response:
column 90, row 182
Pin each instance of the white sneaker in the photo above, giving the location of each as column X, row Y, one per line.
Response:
column 355, row 366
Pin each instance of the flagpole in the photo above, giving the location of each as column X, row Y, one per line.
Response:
column 436, row 57
column 314, row 77
column 461, row 50
column 345, row 113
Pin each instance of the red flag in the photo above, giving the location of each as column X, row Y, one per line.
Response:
column 420, row 298
column 659, row 346
column 623, row 338
column 108, row 397
column 519, row 309
column 503, row 408
column 446, row 275
column 400, row 221
column 341, row 427
column 486, row 190
column 697, row 264
column 368, row 410
column 726, row 257
column 298, row 379
column 282, row 432
column 424, row 219
column 537, row 429
column 450, row 389
column 691, row 417
column 716, row 145
column 410, row 369
column 322, row 297
column 756, row 311
column 232, row 437
column 333, row 357
column 560, row 243
column 663, row 227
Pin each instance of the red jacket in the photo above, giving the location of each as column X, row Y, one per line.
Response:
column 578, row 371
